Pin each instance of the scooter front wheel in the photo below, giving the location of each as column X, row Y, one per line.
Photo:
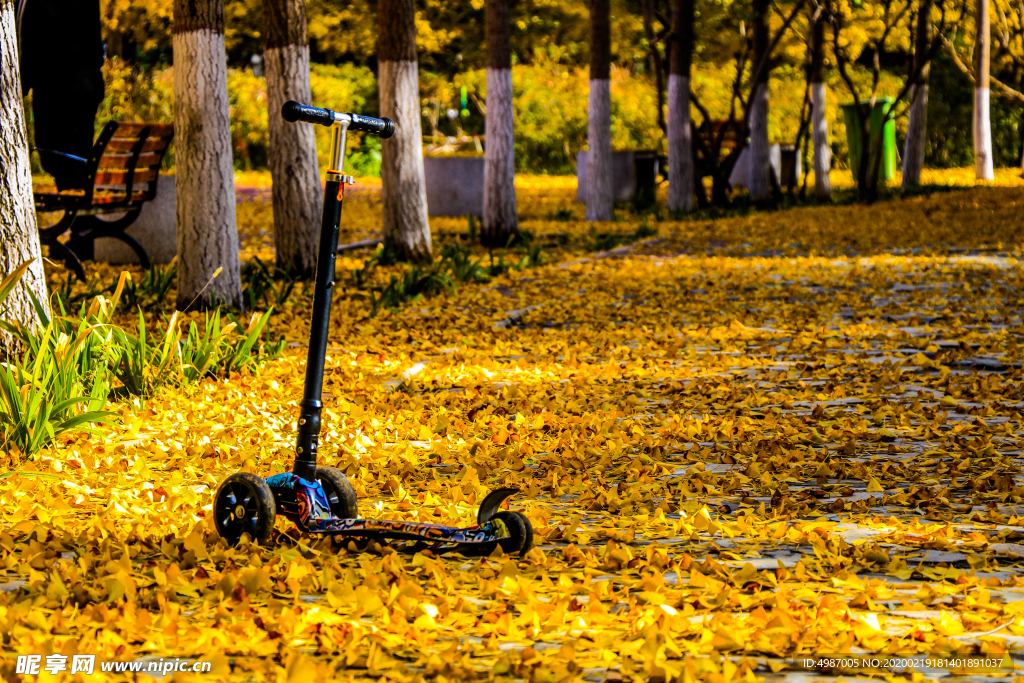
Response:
column 244, row 504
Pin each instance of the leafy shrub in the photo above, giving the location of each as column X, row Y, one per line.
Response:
column 951, row 111
column 143, row 366
column 264, row 285
column 411, row 285
column 65, row 376
column 456, row 265
column 151, row 292
column 134, row 95
column 550, row 100
column 347, row 87
column 58, row 385
column 250, row 137
column 606, row 241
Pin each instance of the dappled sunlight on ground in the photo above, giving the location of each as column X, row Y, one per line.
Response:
column 741, row 442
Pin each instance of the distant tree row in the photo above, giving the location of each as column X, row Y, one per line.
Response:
column 664, row 37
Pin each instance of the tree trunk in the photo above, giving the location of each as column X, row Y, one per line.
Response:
column 917, row 118
column 680, row 133
column 296, row 191
column 760, row 166
column 819, row 123
column 599, row 116
column 19, row 234
column 205, row 197
column 500, row 223
column 982, row 121
column 404, row 189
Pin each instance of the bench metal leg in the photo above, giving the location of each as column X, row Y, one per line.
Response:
column 71, row 261
column 81, row 243
column 136, row 247
column 87, row 228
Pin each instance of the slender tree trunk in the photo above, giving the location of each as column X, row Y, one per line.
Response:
column 404, row 191
column 19, row 234
column 680, row 133
column 819, row 123
column 599, row 116
column 655, row 53
column 760, row 166
column 500, row 223
column 982, row 120
column 296, row 190
column 917, row 121
column 205, row 197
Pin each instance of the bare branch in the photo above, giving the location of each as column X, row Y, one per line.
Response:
column 1003, row 88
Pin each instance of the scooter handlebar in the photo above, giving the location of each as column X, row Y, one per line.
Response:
column 293, row 111
column 382, row 128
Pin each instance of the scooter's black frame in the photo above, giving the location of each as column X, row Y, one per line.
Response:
column 320, row 499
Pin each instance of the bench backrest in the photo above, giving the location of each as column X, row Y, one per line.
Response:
column 126, row 160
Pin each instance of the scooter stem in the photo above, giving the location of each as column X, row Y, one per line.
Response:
column 311, row 405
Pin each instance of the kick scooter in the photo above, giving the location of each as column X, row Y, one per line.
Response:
column 318, row 499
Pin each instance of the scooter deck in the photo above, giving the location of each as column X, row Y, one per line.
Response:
column 490, row 532
column 305, row 503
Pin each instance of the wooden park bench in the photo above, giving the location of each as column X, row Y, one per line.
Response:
column 122, row 173
column 714, row 136
column 724, row 136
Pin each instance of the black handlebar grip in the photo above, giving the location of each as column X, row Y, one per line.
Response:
column 293, row 111
column 382, row 128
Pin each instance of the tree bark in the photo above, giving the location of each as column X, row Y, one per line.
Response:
column 982, row 121
column 500, row 223
column 404, row 190
column 296, row 191
column 819, row 123
column 917, row 118
column 205, row 197
column 599, row 116
column 19, row 235
column 681, row 181
column 760, row 167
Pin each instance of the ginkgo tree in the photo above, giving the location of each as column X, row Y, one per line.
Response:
column 758, row 38
column 1005, row 51
column 871, row 29
column 18, row 233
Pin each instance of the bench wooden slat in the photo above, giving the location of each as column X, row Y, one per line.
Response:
column 114, row 161
column 130, row 128
column 104, row 178
column 128, row 144
column 121, row 146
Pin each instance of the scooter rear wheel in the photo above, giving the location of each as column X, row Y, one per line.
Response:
column 244, row 504
column 340, row 493
column 520, row 530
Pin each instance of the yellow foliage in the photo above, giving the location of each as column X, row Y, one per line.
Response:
column 693, row 422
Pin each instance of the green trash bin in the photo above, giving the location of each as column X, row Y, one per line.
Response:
column 887, row 167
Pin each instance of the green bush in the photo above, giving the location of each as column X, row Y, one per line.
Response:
column 550, row 102
column 352, row 88
column 67, row 371
column 951, row 112
column 135, row 95
column 59, row 384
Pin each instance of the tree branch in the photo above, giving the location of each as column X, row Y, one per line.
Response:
column 1006, row 91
